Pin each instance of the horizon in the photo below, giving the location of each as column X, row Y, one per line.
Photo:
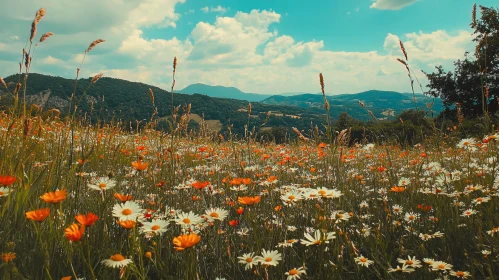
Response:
column 257, row 47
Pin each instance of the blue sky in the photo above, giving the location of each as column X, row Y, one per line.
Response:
column 262, row 46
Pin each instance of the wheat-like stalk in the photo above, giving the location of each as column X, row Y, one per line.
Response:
column 3, row 83
column 45, row 36
column 473, row 16
column 403, row 49
column 151, row 96
column 93, row 44
column 96, row 78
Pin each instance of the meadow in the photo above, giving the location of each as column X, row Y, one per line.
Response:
column 97, row 201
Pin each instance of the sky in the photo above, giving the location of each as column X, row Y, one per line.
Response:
column 258, row 46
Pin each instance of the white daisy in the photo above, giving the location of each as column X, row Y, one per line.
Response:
column 102, row 184
column 248, row 260
column 127, row 211
column 117, row 261
column 216, row 214
column 362, row 261
column 295, row 273
column 4, row 191
column 157, row 227
column 269, row 257
column 318, row 238
column 188, row 219
column 410, row 261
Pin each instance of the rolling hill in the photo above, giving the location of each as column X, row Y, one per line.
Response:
column 223, row 92
column 383, row 104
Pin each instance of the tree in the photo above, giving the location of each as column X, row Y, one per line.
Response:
column 474, row 83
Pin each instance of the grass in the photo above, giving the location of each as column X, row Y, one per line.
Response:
column 154, row 205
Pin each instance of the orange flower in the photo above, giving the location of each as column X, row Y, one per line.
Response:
column 397, row 189
column 74, row 232
column 139, row 165
column 38, row 215
column 7, row 180
column 248, row 200
column 66, row 278
column 8, row 257
column 127, row 224
column 123, row 198
column 233, row 223
column 199, row 185
column 54, row 197
column 240, row 210
column 246, row 181
column 185, row 241
column 87, row 220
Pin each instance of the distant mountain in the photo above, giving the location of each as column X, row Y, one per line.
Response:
column 223, row 92
column 116, row 99
column 383, row 104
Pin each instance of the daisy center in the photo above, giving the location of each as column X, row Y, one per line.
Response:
column 363, row 259
column 322, row 192
column 186, row 221
column 268, row 259
column 293, row 272
column 248, row 260
column 155, row 227
column 117, row 258
column 408, row 262
column 2, row 193
column 291, row 197
column 291, row 241
column 126, row 212
column 460, row 273
column 441, row 266
column 214, row 215
column 411, row 217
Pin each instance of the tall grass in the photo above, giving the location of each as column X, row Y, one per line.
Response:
column 330, row 210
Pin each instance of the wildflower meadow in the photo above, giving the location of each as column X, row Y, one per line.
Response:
column 83, row 200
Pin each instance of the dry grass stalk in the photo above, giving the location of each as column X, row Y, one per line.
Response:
column 39, row 15
column 93, row 44
column 362, row 104
column 96, row 78
column 473, row 16
column 249, row 109
column 151, row 96
column 299, row 134
column 174, row 64
column 403, row 49
column 45, row 36
column 3, row 83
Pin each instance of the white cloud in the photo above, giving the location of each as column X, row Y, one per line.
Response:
column 438, row 46
column 50, row 60
column 218, row 9
column 391, row 4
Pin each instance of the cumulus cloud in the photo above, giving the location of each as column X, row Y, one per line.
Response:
column 218, row 9
column 391, row 4
column 243, row 50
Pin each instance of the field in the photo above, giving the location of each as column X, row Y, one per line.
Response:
column 78, row 201
column 101, row 201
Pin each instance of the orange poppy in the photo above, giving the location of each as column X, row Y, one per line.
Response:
column 233, row 223
column 240, row 210
column 199, row 185
column 87, row 220
column 139, row 165
column 127, row 224
column 185, row 241
column 123, row 198
column 246, row 181
column 38, row 215
column 54, row 197
column 7, row 180
column 74, row 232
column 66, row 278
column 248, row 200
column 397, row 189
